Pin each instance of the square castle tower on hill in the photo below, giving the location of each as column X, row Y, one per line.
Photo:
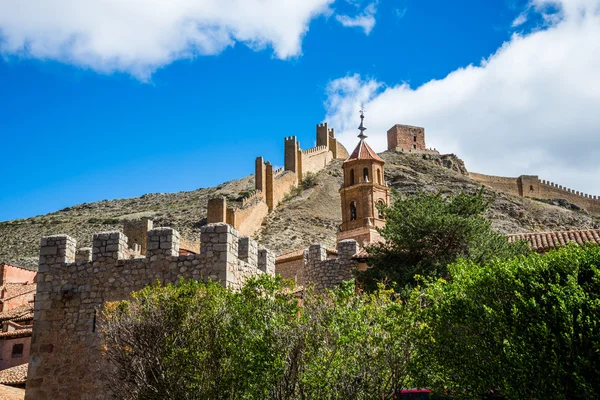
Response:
column 407, row 139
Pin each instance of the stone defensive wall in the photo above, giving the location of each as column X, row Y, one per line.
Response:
column 65, row 361
column 504, row 184
column 271, row 186
column 315, row 159
column 327, row 273
column 532, row 186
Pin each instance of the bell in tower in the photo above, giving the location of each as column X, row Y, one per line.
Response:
column 364, row 189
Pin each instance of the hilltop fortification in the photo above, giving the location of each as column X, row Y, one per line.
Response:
column 271, row 186
column 532, row 186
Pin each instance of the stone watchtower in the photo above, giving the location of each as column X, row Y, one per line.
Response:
column 363, row 190
column 406, row 138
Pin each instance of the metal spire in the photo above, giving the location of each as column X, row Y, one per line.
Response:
column 361, row 128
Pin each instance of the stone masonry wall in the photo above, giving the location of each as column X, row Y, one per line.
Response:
column 314, row 160
column 327, row 274
column 504, row 184
column 272, row 185
column 406, row 137
column 294, row 269
column 532, row 186
column 65, row 360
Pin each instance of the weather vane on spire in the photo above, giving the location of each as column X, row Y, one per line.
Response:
column 361, row 128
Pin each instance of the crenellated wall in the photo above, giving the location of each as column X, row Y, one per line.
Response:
column 273, row 185
column 315, row 159
column 532, row 186
column 65, row 361
column 326, row 273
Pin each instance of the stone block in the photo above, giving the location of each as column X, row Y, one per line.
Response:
column 162, row 242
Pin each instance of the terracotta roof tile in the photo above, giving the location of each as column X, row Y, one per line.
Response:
column 550, row 240
column 15, row 334
column 17, row 312
column 11, row 393
column 11, row 290
column 14, row 375
column 363, row 152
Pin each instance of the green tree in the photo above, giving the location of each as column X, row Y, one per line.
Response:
column 529, row 327
column 202, row 341
column 426, row 232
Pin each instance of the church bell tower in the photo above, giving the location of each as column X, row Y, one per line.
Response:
column 363, row 190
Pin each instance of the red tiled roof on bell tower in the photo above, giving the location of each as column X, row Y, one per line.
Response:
column 363, row 152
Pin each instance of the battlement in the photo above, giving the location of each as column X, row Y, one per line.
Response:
column 321, row 267
column 570, row 191
column 257, row 195
column 315, row 150
column 70, row 292
column 272, row 185
column 532, row 186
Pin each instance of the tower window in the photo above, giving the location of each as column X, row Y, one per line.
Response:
column 352, row 211
column 415, row 138
column 17, row 350
column 366, row 174
column 351, row 177
column 531, row 187
column 380, row 205
column 379, row 176
column 414, row 146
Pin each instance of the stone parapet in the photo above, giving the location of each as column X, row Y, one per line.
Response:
column 57, row 249
column 162, row 242
column 326, row 273
column 83, row 254
column 70, row 293
column 108, row 247
column 266, row 261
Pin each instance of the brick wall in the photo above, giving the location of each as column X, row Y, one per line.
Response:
column 65, row 360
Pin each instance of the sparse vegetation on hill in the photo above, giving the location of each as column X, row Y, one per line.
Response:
column 311, row 216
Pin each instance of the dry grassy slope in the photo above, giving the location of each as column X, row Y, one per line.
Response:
column 314, row 216
column 185, row 211
column 310, row 217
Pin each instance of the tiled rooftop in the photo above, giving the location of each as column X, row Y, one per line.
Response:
column 11, row 393
column 14, row 376
column 363, row 152
column 16, row 334
column 17, row 313
column 551, row 240
column 12, row 290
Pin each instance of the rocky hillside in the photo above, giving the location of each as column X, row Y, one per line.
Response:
column 306, row 216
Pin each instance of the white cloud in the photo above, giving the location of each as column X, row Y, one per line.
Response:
column 365, row 20
column 139, row 36
column 530, row 108
column 520, row 20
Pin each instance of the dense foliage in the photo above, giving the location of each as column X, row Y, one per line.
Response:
column 201, row 341
column 476, row 314
column 424, row 233
column 529, row 327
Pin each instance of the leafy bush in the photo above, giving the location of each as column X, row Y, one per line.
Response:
column 202, row 341
column 528, row 327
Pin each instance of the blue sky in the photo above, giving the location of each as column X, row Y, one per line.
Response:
column 87, row 120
